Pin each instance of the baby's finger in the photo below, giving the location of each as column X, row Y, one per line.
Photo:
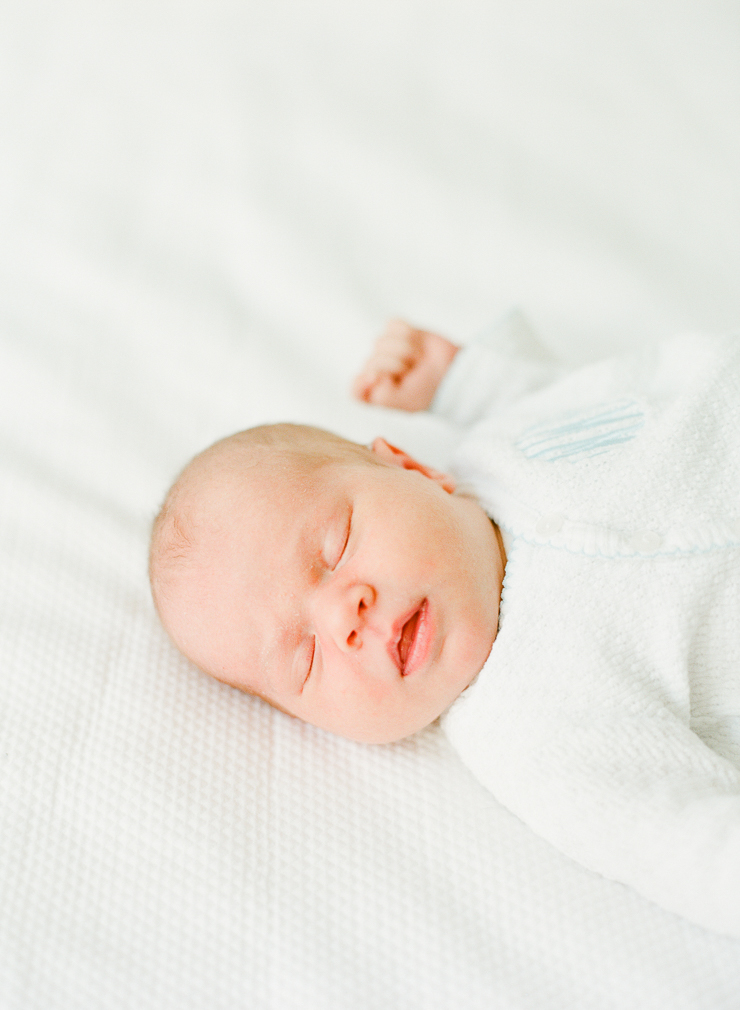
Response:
column 387, row 362
column 398, row 329
column 384, row 392
column 389, row 370
column 363, row 384
column 398, row 338
column 375, row 367
column 405, row 346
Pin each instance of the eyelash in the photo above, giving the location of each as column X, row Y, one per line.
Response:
column 346, row 539
column 310, row 663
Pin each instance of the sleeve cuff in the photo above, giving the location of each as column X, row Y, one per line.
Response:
column 505, row 362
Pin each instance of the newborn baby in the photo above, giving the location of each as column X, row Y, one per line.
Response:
column 358, row 589
column 348, row 586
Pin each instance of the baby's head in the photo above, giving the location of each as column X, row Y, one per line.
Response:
column 348, row 586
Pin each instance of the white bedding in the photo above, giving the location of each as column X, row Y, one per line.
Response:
column 207, row 210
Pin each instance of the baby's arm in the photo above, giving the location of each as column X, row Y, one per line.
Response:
column 405, row 368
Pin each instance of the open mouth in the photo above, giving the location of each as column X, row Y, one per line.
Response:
column 410, row 642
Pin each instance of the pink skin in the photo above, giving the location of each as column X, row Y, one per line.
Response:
column 405, row 367
column 360, row 598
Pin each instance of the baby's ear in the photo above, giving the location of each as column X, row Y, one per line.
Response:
column 397, row 457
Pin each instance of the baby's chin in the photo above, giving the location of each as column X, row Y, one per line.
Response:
column 379, row 738
column 393, row 731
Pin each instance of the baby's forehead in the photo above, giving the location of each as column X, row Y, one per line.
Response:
column 256, row 491
column 235, row 491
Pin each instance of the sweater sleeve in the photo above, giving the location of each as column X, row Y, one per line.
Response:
column 629, row 792
column 506, row 362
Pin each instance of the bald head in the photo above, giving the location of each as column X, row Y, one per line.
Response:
column 257, row 464
column 348, row 586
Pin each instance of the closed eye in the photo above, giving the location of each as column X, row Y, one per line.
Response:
column 310, row 663
column 346, row 540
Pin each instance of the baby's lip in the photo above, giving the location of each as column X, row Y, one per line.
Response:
column 403, row 642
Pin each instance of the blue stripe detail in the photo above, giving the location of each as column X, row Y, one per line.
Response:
column 590, row 433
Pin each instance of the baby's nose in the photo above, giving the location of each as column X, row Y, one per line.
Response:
column 345, row 612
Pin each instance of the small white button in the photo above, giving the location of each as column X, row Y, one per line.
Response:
column 546, row 526
column 645, row 541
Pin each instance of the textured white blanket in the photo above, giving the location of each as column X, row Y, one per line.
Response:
column 207, row 210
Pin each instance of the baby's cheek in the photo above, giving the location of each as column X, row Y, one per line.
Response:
column 378, row 704
column 370, row 719
column 378, row 694
column 363, row 693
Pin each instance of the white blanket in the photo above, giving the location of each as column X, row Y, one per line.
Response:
column 206, row 212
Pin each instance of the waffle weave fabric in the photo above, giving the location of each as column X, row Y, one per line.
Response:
column 608, row 713
column 171, row 844
column 207, row 211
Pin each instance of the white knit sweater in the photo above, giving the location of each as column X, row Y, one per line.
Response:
column 607, row 716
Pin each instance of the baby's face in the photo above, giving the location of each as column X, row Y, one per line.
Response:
column 361, row 598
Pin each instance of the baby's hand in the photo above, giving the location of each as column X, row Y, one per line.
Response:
column 405, row 368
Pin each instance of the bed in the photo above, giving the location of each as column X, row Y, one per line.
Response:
column 207, row 212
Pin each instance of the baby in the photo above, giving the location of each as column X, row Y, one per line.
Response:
column 598, row 695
